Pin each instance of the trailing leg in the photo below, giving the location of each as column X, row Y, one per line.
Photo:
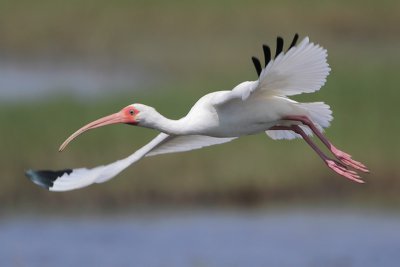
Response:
column 340, row 155
column 336, row 166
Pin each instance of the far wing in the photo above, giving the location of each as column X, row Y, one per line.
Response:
column 302, row 69
column 70, row 179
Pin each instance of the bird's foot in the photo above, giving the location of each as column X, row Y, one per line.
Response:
column 342, row 170
column 347, row 160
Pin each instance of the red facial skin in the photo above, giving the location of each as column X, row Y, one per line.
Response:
column 127, row 115
column 130, row 113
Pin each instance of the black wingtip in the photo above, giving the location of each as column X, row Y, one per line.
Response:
column 257, row 65
column 45, row 178
column 295, row 38
column 36, row 178
column 267, row 54
column 279, row 46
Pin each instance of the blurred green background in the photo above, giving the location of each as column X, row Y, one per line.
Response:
column 168, row 54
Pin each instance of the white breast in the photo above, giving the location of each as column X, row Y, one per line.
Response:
column 237, row 117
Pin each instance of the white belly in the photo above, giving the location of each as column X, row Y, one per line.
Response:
column 250, row 117
column 238, row 117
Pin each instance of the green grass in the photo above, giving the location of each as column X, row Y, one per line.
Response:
column 192, row 49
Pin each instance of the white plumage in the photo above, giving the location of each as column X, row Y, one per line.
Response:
column 251, row 107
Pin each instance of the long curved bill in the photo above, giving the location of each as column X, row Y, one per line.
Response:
column 110, row 119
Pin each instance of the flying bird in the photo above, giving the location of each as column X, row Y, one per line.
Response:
column 252, row 107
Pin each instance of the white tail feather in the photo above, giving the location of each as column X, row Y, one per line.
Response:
column 319, row 113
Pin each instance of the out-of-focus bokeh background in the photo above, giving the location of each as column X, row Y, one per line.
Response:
column 252, row 202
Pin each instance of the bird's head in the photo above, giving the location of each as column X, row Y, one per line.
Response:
column 132, row 115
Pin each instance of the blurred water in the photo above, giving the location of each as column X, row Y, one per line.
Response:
column 206, row 238
column 38, row 79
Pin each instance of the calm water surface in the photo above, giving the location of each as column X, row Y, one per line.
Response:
column 298, row 237
column 35, row 80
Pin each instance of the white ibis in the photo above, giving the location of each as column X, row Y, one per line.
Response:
column 252, row 107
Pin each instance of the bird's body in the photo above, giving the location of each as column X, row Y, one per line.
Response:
column 236, row 117
column 233, row 119
column 251, row 107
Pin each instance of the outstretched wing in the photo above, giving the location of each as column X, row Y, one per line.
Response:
column 187, row 142
column 70, row 179
column 303, row 68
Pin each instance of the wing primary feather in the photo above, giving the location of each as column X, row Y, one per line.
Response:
column 279, row 46
column 267, row 54
column 257, row 65
column 46, row 178
column 295, row 38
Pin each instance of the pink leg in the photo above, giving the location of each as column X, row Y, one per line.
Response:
column 340, row 155
column 336, row 166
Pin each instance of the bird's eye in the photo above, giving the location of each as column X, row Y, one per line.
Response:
column 132, row 112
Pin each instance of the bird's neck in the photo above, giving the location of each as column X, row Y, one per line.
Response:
column 165, row 125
